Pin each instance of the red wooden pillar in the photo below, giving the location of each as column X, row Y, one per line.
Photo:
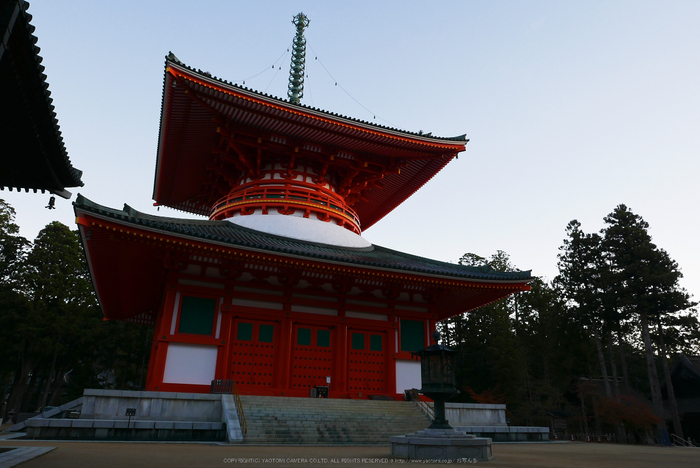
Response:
column 391, row 357
column 158, row 331
column 341, row 358
column 161, row 334
column 223, row 359
column 283, row 359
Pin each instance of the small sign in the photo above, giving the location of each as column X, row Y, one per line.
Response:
column 131, row 411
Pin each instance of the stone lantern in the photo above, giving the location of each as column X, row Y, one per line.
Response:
column 438, row 378
column 440, row 441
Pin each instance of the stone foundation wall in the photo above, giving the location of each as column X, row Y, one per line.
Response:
column 474, row 414
column 152, row 406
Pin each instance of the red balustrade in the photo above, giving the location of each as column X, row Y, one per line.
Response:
column 287, row 197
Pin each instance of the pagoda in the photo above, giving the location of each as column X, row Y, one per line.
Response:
column 277, row 289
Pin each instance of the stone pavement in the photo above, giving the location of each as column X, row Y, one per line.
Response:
column 20, row 454
column 145, row 454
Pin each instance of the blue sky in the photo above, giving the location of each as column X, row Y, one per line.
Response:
column 571, row 107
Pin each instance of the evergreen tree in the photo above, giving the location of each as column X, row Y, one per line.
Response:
column 51, row 325
column 13, row 247
column 582, row 280
column 61, row 320
column 485, row 338
column 636, row 276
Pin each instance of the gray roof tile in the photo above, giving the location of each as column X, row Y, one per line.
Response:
column 237, row 236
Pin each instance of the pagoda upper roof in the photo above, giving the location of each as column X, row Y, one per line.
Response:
column 32, row 152
column 228, row 233
column 196, row 105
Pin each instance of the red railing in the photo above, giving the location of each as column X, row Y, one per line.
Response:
column 299, row 195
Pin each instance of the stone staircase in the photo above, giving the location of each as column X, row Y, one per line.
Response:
column 282, row 420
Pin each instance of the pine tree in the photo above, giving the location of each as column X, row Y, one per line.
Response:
column 582, row 280
column 645, row 282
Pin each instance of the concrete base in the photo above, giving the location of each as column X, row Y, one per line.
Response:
column 159, row 416
column 508, row 433
column 441, row 446
column 486, row 420
column 105, row 429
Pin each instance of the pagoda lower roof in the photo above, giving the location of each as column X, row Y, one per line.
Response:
column 196, row 106
column 231, row 234
column 131, row 256
column 32, row 152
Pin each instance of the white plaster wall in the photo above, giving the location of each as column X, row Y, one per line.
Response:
column 366, row 315
column 313, row 310
column 297, row 227
column 254, row 303
column 190, row 364
column 407, row 375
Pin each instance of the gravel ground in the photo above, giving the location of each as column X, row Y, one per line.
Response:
column 136, row 455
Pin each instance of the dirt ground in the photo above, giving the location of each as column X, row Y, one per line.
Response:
column 136, row 455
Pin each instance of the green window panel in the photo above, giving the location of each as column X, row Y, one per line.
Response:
column 197, row 315
column 375, row 342
column 304, row 336
column 245, row 332
column 358, row 341
column 412, row 333
column 323, row 338
column 265, row 333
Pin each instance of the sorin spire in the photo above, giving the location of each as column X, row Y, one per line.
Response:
column 296, row 73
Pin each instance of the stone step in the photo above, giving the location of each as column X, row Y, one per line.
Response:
column 328, row 410
column 284, row 431
column 326, row 417
column 282, row 420
column 314, row 402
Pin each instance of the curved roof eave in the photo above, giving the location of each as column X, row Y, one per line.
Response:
column 420, row 266
column 171, row 59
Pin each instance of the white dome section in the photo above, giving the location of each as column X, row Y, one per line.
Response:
column 296, row 227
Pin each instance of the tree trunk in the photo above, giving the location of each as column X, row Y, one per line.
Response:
column 583, row 408
column 619, row 427
column 595, row 415
column 601, row 361
column 29, row 391
column 669, row 385
column 623, row 361
column 45, row 393
column 528, row 389
column 17, row 392
column 613, row 368
column 57, row 387
column 651, row 371
column 6, row 382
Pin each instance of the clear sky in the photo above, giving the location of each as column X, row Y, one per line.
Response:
column 571, row 107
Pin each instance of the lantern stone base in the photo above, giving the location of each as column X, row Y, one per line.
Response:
column 443, row 445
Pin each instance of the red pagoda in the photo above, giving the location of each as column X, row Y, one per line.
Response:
column 278, row 290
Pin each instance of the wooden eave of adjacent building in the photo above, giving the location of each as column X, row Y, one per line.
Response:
column 685, row 377
column 32, row 152
column 131, row 256
column 212, row 132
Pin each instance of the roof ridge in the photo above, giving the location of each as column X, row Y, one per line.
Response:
column 481, row 269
